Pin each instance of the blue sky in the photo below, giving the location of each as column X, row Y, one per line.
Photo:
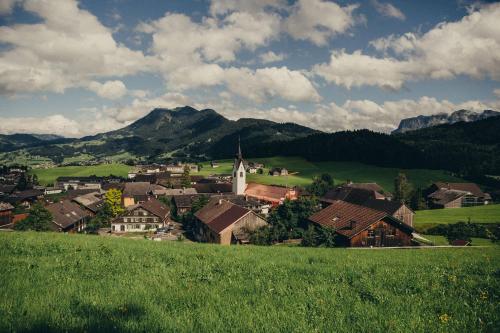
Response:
column 82, row 67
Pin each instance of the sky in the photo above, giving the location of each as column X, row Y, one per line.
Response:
column 77, row 68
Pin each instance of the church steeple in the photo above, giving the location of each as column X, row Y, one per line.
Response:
column 239, row 172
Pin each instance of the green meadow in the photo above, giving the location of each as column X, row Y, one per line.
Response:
column 478, row 214
column 48, row 176
column 78, row 283
column 302, row 172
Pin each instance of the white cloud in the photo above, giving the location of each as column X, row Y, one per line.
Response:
column 270, row 56
column 469, row 47
column 40, row 125
column 497, row 92
column 68, row 48
column 221, row 7
column 319, row 20
column 387, row 9
column 110, row 89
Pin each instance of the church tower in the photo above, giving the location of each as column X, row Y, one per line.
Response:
column 239, row 173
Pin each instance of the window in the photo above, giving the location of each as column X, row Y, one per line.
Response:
column 234, row 174
column 241, row 174
column 113, row 228
column 371, row 233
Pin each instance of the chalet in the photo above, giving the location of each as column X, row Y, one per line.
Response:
column 223, row 222
column 76, row 183
column 138, row 192
column 371, row 199
column 5, row 213
column 275, row 195
column 278, row 172
column 360, row 226
column 68, row 216
column 148, row 215
column 377, row 190
column 455, row 195
column 92, row 202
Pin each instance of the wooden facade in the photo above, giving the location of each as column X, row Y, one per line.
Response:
column 5, row 217
column 404, row 214
column 381, row 234
column 136, row 220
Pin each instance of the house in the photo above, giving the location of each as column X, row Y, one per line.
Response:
column 25, row 198
column 148, row 215
column 214, row 164
column 371, row 199
column 92, row 202
column 455, row 195
column 175, row 168
column 76, row 183
column 138, row 192
column 184, row 202
column 52, row 190
column 223, row 222
column 5, row 213
column 360, row 226
column 245, row 201
column 170, row 192
column 377, row 190
column 68, row 216
column 278, row 172
column 252, row 170
column 211, row 188
column 275, row 195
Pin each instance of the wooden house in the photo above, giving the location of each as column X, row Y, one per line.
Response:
column 223, row 222
column 148, row 215
column 456, row 195
column 68, row 216
column 360, row 226
column 278, row 172
column 138, row 192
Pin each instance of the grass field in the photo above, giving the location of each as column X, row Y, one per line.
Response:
column 48, row 176
column 56, row 282
column 441, row 240
column 480, row 214
column 303, row 172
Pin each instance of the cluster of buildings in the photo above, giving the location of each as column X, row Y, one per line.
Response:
column 362, row 214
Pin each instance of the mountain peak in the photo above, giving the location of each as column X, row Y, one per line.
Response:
column 415, row 123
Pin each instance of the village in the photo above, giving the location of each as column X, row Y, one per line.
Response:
column 166, row 202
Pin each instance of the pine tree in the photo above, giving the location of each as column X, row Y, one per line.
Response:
column 402, row 189
column 186, row 178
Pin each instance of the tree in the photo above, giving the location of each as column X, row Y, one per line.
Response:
column 39, row 219
column 188, row 220
column 417, row 200
column 100, row 220
column 319, row 236
column 186, row 178
column 402, row 189
column 22, row 183
column 114, row 201
column 321, row 185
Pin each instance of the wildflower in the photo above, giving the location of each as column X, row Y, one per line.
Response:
column 444, row 318
column 483, row 295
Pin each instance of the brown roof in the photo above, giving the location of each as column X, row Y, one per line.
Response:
column 219, row 214
column 349, row 194
column 465, row 187
column 139, row 189
column 349, row 219
column 444, row 196
column 268, row 192
column 213, row 187
column 156, row 207
column 388, row 206
column 186, row 200
column 66, row 213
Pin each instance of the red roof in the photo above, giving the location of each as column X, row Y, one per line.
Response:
column 274, row 194
column 19, row 217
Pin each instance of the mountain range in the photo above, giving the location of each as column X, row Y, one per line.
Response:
column 414, row 123
column 188, row 134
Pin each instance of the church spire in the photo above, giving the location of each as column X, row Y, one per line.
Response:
column 239, row 156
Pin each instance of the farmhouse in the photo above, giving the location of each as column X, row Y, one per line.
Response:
column 170, row 192
column 269, row 193
column 455, row 195
column 148, row 215
column 68, row 216
column 278, row 172
column 223, row 222
column 76, row 183
column 5, row 213
column 360, row 226
column 25, row 198
column 371, row 199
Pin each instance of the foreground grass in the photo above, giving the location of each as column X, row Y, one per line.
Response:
column 57, row 282
column 480, row 214
column 48, row 176
column 303, row 171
